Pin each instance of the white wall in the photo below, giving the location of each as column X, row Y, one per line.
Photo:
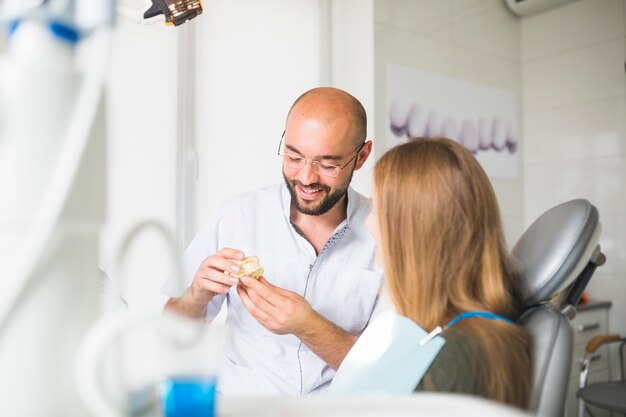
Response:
column 141, row 156
column 254, row 58
column 575, row 126
column 352, row 67
column 473, row 40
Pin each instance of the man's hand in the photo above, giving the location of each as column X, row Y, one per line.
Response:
column 209, row 281
column 280, row 311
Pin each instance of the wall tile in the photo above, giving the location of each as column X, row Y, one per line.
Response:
column 382, row 120
column 509, row 196
column 488, row 27
column 588, row 74
column 610, row 287
column 613, row 243
column 571, row 79
column 513, row 229
column 579, row 24
column 424, row 17
column 465, row 6
column 574, row 126
column 485, row 50
column 408, row 49
column 478, row 67
column 602, row 181
column 588, row 130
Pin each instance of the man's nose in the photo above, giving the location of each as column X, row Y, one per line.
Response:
column 308, row 173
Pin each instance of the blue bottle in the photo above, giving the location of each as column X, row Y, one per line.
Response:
column 188, row 396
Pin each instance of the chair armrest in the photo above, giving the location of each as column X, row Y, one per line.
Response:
column 590, row 354
column 596, row 342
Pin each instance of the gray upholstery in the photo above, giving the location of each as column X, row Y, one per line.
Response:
column 555, row 248
column 549, row 257
column 610, row 395
column 552, row 355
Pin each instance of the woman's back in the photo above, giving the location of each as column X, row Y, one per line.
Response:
column 484, row 358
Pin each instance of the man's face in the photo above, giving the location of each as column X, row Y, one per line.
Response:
column 318, row 197
column 312, row 192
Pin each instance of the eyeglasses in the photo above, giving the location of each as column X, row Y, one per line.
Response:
column 298, row 162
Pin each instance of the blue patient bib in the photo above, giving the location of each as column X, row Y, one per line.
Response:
column 387, row 359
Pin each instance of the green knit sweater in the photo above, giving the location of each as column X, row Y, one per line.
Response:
column 457, row 367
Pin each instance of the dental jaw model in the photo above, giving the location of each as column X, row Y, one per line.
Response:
column 249, row 268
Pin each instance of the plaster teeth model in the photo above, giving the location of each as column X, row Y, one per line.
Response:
column 249, row 268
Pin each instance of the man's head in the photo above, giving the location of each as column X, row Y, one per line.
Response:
column 327, row 127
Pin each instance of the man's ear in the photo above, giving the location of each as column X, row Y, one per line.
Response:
column 364, row 153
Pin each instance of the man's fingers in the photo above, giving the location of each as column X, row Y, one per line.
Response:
column 215, row 275
column 265, row 282
column 216, row 287
column 251, row 306
column 222, row 263
column 216, row 282
column 220, row 266
column 231, row 253
column 280, row 291
column 264, row 289
column 261, row 302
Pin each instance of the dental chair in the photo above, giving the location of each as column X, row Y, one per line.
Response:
column 555, row 259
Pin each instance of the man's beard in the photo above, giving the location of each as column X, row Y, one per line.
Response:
column 328, row 200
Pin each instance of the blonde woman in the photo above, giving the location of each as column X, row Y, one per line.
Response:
column 439, row 239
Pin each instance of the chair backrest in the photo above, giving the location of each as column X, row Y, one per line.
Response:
column 555, row 259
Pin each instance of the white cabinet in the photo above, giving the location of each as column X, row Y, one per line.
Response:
column 591, row 320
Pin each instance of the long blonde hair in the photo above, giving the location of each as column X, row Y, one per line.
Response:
column 444, row 252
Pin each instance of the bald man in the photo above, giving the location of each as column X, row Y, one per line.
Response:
column 292, row 328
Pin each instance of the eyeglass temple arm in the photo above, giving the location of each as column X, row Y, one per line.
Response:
column 280, row 143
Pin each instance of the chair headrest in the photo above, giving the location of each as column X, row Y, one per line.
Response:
column 555, row 249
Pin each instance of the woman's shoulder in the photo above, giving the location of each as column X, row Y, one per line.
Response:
column 487, row 358
column 457, row 367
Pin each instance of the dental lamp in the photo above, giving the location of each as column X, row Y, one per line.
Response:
column 176, row 12
column 87, row 16
column 170, row 12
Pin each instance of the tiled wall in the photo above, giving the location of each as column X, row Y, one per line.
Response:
column 574, row 120
column 473, row 40
column 567, row 67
